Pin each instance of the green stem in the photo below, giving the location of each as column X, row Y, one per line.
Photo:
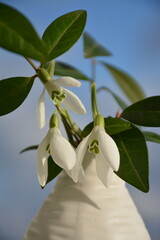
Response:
column 69, row 135
column 71, row 128
column 66, row 124
column 93, row 68
column 94, row 100
column 93, row 89
column 31, row 63
column 73, row 125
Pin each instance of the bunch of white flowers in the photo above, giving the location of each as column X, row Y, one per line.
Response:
column 97, row 143
column 89, row 200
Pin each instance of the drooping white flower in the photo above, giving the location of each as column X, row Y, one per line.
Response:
column 106, row 154
column 59, row 148
column 58, row 94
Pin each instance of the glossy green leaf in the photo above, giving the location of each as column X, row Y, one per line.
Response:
column 151, row 136
column 112, row 126
column 53, row 169
column 34, row 147
column 92, row 48
column 145, row 112
column 128, row 85
column 133, row 158
column 63, row 69
column 116, row 125
column 119, row 100
column 18, row 35
column 62, row 33
column 13, row 92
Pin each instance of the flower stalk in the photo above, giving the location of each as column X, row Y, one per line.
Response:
column 94, row 100
column 67, row 125
column 31, row 63
column 74, row 126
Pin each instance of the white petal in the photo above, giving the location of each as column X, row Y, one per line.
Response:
column 94, row 134
column 80, row 153
column 52, row 86
column 61, row 151
column 68, row 82
column 104, row 171
column 42, row 170
column 73, row 102
column 109, row 149
column 42, row 162
column 80, row 175
column 41, row 110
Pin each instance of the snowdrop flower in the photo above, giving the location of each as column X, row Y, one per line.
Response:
column 58, row 147
column 58, row 94
column 105, row 152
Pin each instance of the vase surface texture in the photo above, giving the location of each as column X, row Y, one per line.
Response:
column 88, row 211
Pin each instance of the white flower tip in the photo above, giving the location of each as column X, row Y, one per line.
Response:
column 116, row 160
column 68, row 82
column 42, row 176
column 62, row 151
column 83, row 110
column 109, row 150
column 41, row 110
column 42, row 182
column 73, row 102
column 42, row 162
column 73, row 82
column 69, row 165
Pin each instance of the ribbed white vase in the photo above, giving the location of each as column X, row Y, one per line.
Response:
column 88, row 211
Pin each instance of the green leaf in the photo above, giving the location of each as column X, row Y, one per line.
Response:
column 63, row 69
column 18, row 35
column 134, row 158
column 92, row 48
column 128, row 85
column 53, row 169
column 112, row 126
column 13, row 92
column 88, row 128
column 144, row 113
column 119, row 100
column 62, row 33
column 151, row 136
column 116, row 125
column 34, row 147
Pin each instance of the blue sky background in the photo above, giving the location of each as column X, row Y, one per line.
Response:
column 131, row 31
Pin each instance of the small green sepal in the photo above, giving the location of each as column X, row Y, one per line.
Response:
column 43, row 75
column 54, row 121
column 99, row 120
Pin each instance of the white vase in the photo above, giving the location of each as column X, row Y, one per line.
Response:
column 88, row 211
